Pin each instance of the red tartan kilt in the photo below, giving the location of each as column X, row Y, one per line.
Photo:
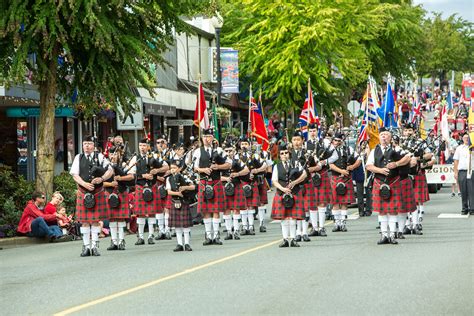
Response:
column 390, row 206
column 121, row 212
column 262, row 189
column 168, row 202
column 310, row 195
column 237, row 201
column 296, row 212
column 348, row 198
column 420, row 188
column 142, row 208
column 408, row 199
column 159, row 203
column 180, row 217
column 323, row 193
column 217, row 204
column 98, row 213
column 254, row 201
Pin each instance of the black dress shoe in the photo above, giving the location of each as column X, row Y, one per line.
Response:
column 121, row 245
column 297, row 238
column 187, row 248
column 95, row 252
column 306, row 238
column 406, row 231
column 207, row 242
column 293, row 243
column 112, row 246
column 322, row 232
column 168, row 236
column 63, row 238
column 159, row 236
column 393, row 241
column 228, row 236
column 150, row 240
column 217, row 241
column 420, row 227
column 173, row 234
column 416, row 232
column 284, row 244
column 400, row 235
column 344, row 228
column 246, row 232
column 178, row 248
column 86, row 252
column 263, row 229
column 236, row 236
column 335, row 229
column 314, row 233
column 383, row 241
column 251, row 231
column 140, row 241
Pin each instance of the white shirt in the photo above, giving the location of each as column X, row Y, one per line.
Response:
column 275, row 170
column 462, row 155
column 197, row 155
column 104, row 162
column 335, row 155
column 371, row 158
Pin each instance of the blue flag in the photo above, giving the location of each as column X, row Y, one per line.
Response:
column 387, row 111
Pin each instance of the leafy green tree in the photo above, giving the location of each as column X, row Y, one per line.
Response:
column 283, row 43
column 101, row 49
column 448, row 45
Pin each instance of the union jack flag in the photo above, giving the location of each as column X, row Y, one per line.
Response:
column 309, row 113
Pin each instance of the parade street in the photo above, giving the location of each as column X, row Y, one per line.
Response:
column 344, row 273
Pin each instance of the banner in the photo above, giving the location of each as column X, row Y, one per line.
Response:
column 230, row 71
column 441, row 174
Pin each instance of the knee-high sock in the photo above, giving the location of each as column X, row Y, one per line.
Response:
column 299, row 227
column 161, row 222
column 285, row 228
column 228, row 223
column 151, row 229
column 343, row 217
column 179, row 235
column 313, row 216
column 304, row 225
column 86, row 234
column 250, row 217
column 322, row 216
column 187, row 235
column 337, row 217
column 401, row 218
column 167, row 228
column 408, row 220
column 215, row 226
column 237, row 218
column 121, row 230
column 414, row 218
column 95, row 231
column 244, row 215
column 114, row 232
column 141, row 226
column 421, row 213
column 208, row 227
column 392, row 224
column 261, row 215
column 292, row 227
column 383, row 219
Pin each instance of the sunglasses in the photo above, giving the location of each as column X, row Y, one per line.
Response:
column 338, row 140
column 284, row 152
column 43, row 197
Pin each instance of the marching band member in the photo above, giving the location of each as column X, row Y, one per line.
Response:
column 89, row 170
column 160, row 170
column 235, row 199
column 288, row 203
column 179, row 187
column 318, row 168
column 117, row 196
column 209, row 161
column 145, row 192
column 298, row 155
column 384, row 161
column 344, row 160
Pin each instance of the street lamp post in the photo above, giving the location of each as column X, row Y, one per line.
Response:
column 217, row 22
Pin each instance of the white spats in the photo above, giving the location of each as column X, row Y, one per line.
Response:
column 179, row 236
column 95, row 231
column 321, row 216
column 86, row 234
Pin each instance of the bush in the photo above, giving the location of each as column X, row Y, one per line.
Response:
column 15, row 192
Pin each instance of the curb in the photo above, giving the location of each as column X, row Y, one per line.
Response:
column 20, row 241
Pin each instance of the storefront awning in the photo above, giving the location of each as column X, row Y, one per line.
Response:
column 152, row 106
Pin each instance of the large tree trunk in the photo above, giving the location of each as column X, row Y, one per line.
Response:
column 45, row 155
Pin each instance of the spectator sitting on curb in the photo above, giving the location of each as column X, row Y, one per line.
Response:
column 52, row 207
column 64, row 221
column 33, row 221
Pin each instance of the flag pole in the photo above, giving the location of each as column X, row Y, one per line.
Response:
column 199, row 108
column 249, row 128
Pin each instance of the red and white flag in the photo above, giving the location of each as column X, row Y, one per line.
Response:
column 201, row 118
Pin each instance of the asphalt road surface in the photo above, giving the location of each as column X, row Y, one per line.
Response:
column 342, row 274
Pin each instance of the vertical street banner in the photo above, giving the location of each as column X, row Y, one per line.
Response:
column 230, row 71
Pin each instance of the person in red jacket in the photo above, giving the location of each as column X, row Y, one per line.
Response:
column 33, row 220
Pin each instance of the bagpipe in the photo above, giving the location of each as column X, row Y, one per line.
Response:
column 293, row 174
column 189, row 196
column 314, row 156
column 217, row 158
column 96, row 171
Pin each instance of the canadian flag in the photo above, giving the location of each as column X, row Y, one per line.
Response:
column 201, row 118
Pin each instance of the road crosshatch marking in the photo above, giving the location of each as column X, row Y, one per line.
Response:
column 167, row 278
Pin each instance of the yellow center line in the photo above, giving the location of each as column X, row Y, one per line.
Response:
column 167, row 278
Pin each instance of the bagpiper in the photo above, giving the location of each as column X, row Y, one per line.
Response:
column 288, row 202
column 384, row 161
column 320, row 153
column 209, row 162
column 161, row 155
column 344, row 160
column 116, row 189
column 181, row 189
column 89, row 170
